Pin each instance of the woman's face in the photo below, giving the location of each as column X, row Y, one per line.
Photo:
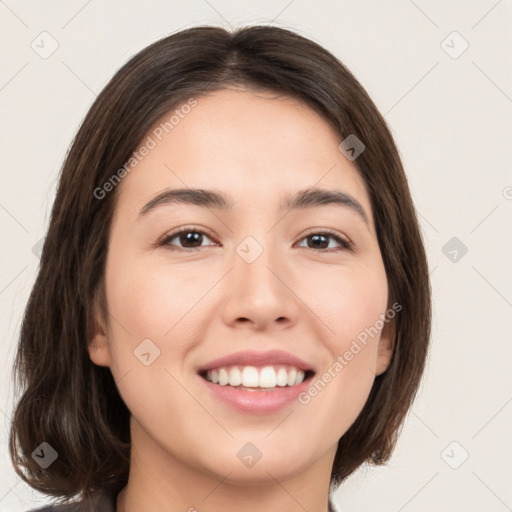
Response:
column 252, row 275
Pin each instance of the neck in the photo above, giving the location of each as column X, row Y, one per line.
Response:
column 160, row 481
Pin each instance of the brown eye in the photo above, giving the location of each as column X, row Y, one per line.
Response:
column 321, row 241
column 185, row 239
column 193, row 239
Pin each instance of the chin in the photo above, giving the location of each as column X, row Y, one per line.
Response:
column 249, row 465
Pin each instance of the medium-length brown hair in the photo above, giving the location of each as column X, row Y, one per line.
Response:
column 73, row 404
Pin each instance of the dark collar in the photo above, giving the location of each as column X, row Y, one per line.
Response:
column 106, row 503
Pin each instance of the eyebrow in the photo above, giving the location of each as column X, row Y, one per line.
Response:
column 307, row 198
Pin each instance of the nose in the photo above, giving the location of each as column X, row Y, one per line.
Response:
column 260, row 295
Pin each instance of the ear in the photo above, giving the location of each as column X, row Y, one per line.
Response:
column 98, row 347
column 386, row 346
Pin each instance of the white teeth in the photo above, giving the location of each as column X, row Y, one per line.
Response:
column 223, row 377
column 268, row 377
column 282, row 377
column 292, row 375
column 235, row 377
column 252, row 377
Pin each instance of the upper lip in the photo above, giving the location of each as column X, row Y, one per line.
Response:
column 254, row 358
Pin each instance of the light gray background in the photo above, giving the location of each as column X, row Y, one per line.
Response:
column 451, row 120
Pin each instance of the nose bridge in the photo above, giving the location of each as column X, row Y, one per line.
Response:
column 253, row 263
column 257, row 284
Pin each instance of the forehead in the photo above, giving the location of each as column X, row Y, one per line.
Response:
column 252, row 145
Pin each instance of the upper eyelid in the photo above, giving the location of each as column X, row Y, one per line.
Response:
column 188, row 229
column 327, row 231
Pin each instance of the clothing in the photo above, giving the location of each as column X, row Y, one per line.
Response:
column 99, row 503
column 332, row 506
column 107, row 503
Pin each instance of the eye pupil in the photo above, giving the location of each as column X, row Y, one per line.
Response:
column 318, row 238
column 191, row 236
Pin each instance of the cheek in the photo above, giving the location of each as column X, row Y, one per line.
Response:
column 151, row 302
column 148, row 303
column 350, row 310
column 351, row 303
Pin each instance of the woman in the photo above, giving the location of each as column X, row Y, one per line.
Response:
column 232, row 309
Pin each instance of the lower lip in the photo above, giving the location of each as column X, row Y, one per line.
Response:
column 259, row 402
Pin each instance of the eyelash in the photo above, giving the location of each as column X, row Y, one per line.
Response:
column 345, row 244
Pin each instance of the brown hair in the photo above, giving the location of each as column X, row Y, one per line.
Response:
column 73, row 404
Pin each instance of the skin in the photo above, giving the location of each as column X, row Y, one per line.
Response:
column 254, row 147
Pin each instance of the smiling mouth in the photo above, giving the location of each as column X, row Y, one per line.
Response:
column 252, row 378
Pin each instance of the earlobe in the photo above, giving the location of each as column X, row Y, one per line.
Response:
column 98, row 347
column 99, row 351
column 386, row 346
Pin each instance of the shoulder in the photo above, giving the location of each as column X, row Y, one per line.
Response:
column 332, row 506
column 70, row 507
column 98, row 503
